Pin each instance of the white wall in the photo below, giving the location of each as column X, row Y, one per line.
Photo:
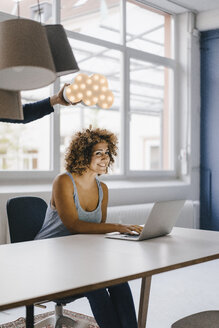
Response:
column 207, row 20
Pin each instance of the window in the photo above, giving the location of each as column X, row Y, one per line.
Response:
column 148, row 29
column 29, row 9
column 150, row 115
column 131, row 44
column 100, row 19
column 25, row 147
column 93, row 59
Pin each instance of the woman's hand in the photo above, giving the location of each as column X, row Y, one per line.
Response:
column 129, row 229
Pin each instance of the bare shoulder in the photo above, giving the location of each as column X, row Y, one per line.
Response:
column 62, row 180
column 104, row 187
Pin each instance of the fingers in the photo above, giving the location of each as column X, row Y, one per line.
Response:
column 131, row 229
column 136, row 228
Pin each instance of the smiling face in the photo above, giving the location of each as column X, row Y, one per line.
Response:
column 100, row 158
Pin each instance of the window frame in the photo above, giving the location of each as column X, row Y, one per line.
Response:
column 127, row 54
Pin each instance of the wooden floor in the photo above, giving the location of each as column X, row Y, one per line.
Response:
column 174, row 294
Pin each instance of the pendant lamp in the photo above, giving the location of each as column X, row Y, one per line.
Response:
column 25, row 56
column 62, row 54
column 10, row 105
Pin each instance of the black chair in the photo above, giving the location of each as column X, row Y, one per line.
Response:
column 25, row 217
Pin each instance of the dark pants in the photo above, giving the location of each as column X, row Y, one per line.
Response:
column 113, row 307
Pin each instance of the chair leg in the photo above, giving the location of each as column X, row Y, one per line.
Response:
column 61, row 319
column 65, row 321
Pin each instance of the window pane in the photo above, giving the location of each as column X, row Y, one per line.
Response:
column 148, row 29
column 93, row 59
column 26, row 146
column 100, row 19
column 29, row 9
column 151, row 124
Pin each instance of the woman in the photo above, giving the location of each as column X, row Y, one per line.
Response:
column 79, row 205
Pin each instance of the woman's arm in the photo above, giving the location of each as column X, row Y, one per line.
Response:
column 104, row 202
column 33, row 112
column 62, row 199
column 39, row 109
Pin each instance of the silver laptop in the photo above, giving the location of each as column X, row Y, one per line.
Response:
column 160, row 221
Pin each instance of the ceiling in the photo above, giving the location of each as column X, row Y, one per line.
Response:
column 180, row 6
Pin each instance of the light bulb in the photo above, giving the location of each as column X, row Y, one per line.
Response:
column 91, row 90
column 106, row 99
column 96, row 87
column 89, row 93
column 96, row 77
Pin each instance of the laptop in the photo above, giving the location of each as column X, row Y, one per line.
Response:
column 159, row 222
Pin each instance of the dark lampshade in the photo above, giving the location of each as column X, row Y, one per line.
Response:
column 25, row 56
column 62, row 54
column 10, row 105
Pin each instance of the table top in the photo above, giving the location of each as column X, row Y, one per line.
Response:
column 52, row 268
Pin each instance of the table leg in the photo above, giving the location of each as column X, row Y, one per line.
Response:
column 29, row 316
column 144, row 301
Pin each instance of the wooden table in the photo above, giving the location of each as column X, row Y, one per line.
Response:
column 53, row 268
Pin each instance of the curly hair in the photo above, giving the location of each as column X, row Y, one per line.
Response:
column 79, row 152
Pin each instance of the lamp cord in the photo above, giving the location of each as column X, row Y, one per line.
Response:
column 39, row 10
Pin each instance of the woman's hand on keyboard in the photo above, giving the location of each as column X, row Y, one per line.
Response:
column 130, row 229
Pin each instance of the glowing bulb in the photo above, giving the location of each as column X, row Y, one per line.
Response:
column 95, row 99
column 102, row 97
column 102, row 80
column 83, row 86
column 88, row 93
column 104, row 88
column 80, row 95
column 96, row 87
column 96, row 77
column 109, row 98
column 104, row 105
column 75, row 86
column 68, row 90
column 89, row 81
column 79, row 78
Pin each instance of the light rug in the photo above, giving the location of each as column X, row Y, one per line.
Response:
column 20, row 322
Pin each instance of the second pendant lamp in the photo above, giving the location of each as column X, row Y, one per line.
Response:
column 62, row 54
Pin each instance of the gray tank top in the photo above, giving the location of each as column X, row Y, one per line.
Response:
column 53, row 225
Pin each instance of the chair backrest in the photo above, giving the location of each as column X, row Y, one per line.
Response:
column 25, row 217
